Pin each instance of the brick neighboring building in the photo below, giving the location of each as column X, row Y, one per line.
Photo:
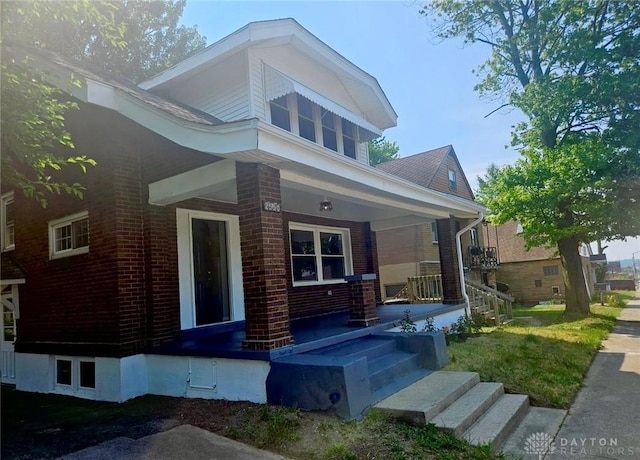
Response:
column 247, row 204
column 535, row 275
column 415, row 250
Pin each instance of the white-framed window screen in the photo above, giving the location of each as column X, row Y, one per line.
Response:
column 69, row 235
column 7, row 221
column 74, row 375
column 434, row 232
column 319, row 254
column 453, row 180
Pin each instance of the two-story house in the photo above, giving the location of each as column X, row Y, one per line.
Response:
column 232, row 197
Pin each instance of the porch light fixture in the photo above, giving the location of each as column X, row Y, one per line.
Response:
column 326, row 205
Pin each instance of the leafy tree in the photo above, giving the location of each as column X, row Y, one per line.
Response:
column 134, row 39
column 573, row 68
column 381, row 150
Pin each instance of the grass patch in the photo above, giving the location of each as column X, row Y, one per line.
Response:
column 38, row 426
column 540, row 353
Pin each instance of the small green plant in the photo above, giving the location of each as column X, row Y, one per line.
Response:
column 340, row 452
column 429, row 325
column 615, row 301
column 407, row 324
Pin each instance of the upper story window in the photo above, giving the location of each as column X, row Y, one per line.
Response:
column 69, row 236
column 348, row 138
column 303, row 117
column 8, row 222
column 453, row 181
column 306, row 125
column 319, row 254
column 280, row 113
column 329, row 137
column 551, row 270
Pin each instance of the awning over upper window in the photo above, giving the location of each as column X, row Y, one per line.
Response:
column 277, row 84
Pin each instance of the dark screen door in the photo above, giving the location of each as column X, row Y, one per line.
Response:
column 210, row 271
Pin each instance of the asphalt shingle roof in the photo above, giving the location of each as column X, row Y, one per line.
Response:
column 419, row 168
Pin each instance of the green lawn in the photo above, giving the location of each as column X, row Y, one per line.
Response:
column 539, row 354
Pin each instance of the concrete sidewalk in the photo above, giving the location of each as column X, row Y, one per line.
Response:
column 184, row 442
column 604, row 420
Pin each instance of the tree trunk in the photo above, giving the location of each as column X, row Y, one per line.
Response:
column 576, row 294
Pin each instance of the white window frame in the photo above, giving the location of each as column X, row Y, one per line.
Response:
column 63, row 222
column 453, row 180
column 292, row 105
column 317, row 229
column 74, row 388
column 473, row 235
column 434, row 232
column 7, row 199
column 555, row 290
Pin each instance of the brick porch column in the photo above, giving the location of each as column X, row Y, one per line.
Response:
column 263, row 257
column 451, row 290
column 362, row 300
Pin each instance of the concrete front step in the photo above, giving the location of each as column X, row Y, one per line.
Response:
column 539, row 421
column 464, row 412
column 496, row 424
column 424, row 399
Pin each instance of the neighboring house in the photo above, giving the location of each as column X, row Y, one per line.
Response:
column 415, row 250
column 533, row 275
column 232, row 197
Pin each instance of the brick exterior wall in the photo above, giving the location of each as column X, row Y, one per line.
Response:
column 263, row 260
column 451, row 290
column 305, row 301
column 522, row 276
column 123, row 295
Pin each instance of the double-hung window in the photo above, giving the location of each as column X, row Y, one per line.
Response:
column 306, row 124
column 8, row 223
column 319, row 254
column 434, row 232
column 329, row 138
column 280, row 113
column 69, row 236
column 348, row 138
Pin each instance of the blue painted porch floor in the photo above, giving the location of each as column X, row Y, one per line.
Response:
column 225, row 340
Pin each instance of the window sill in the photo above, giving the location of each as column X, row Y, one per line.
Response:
column 69, row 253
column 317, row 283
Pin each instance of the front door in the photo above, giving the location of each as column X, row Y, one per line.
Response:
column 210, row 271
column 8, row 333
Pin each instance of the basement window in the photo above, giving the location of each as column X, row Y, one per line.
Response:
column 69, row 236
column 76, row 376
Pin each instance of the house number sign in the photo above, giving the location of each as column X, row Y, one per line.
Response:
column 271, row 206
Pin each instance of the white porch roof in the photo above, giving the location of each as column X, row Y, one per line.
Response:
column 311, row 173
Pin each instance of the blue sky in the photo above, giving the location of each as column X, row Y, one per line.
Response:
column 429, row 83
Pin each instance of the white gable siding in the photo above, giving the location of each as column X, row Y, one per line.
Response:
column 310, row 73
column 222, row 90
column 256, row 86
column 363, row 153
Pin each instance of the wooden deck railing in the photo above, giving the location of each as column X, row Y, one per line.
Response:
column 483, row 300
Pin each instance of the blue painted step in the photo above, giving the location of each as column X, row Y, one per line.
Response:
column 386, row 369
column 372, row 348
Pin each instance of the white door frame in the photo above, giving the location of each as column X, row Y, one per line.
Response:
column 184, row 218
column 10, row 301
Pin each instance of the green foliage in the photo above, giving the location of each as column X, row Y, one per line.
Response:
column 382, row 150
column 573, row 68
column 130, row 38
column 407, row 324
